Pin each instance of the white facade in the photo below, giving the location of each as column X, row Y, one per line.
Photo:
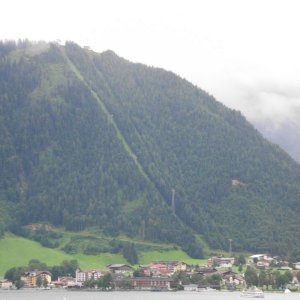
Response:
column 297, row 265
column 84, row 275
column 223, row 262
column 260, row 257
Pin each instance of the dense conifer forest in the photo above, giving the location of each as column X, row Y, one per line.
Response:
column 91, row 139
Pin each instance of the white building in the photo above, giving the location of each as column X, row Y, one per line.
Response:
column 296, row 265
column 222, row 262
column 84, row 275
column 259, row 257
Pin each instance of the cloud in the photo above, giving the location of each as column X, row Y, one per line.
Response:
column 271, row 105
column 266, row 93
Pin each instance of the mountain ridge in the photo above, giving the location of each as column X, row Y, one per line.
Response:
column 96, row 122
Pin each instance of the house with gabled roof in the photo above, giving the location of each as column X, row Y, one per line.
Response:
column 230, row 277
column 206, row 271
column 222, row 262
column 120, row 269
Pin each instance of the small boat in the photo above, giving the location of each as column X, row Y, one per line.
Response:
column 253, row 292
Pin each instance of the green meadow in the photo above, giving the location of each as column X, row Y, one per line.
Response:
column 18, row 251
column 148, row 256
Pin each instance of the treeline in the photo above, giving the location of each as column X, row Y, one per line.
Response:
column 92, row 246
column 46, row 237
column 268, row 278
column 8, row 46
column 104, row 283
column 182, row 278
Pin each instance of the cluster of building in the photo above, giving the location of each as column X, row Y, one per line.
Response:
column 158, row 275
column 155, row 276
column 264, row 261
column 30, row 279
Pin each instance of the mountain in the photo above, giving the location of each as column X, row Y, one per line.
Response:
column 91, row 139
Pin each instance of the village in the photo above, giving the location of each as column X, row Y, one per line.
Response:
column 230, row 273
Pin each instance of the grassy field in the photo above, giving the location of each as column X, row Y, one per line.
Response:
column 147, row 257
column 17, row 251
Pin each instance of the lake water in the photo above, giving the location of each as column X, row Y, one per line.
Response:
column 79, row 295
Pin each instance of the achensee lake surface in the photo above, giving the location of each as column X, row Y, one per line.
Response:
column 78, row 295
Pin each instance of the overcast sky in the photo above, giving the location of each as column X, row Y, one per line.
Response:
column 244, row 52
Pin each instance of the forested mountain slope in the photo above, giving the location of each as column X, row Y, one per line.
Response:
column 91, row 139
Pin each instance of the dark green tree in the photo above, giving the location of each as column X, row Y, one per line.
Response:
column 35, row 264
column 241, row 260
column 66, row 268
column 14, row 274
column 129, row 252
column 263, row 278
column 19, row 283
column 138, row 273
column 106, row 281
column 198, row 279
column 45, row 282
column 179, row 279
column 280, row 280
column 251, row 276
column 39, row 281
column 215, row 280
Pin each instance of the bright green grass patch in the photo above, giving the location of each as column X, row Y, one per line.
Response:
column 147, row 257
column 16, row 251
column 99, row 261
